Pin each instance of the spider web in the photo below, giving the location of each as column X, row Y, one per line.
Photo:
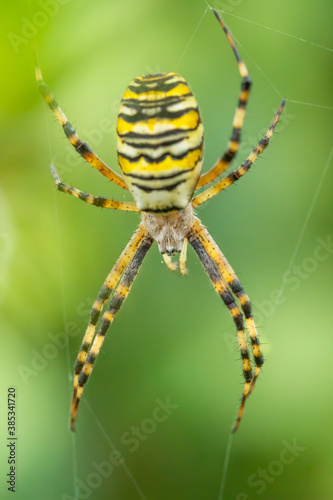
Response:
column 312, row 204
column 227, row 16
column 224, row 475
column 69, row 361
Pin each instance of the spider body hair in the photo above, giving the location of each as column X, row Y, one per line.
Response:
column 169, row 231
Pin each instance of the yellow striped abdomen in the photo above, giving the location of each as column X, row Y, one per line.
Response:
column 160, row 142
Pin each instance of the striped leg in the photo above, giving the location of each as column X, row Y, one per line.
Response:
column 108, row 286
column 221, row 288
column 235, row 286
column 98, row 201
column 122, row 289
column 81, row 147
column 223, row 163
column 245, row 167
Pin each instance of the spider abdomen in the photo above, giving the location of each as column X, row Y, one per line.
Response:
column 160, row 142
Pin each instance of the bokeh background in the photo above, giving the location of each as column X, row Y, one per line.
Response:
column 173, row 339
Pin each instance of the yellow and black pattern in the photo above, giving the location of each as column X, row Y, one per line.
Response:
column 86, row 359
column 222, row 289
column 245, row 167
column 81, row 147
column 236, row 288
column 223, row 163
column 98, row 201
column 160, row 142
column 160, row 153
column 104, row 294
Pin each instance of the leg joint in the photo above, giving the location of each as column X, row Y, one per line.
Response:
column 246, row 83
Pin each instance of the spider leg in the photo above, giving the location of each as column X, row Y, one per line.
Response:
column 212, row 269
column 223, row 163
column 239, row 172
column 81, row 147
column 143, row 245
column 109, row 285
column 182, row 258
column 230, row 277
column 98, row 201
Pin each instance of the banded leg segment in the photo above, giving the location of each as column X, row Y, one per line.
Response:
column 108, row 286
column 98, row 201
column 223, row 163
column 231, row 279
column 245, row 167
column 81, row 147
column 221, row 288
column 120, row 294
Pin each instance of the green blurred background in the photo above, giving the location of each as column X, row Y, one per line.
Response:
column 173, row 338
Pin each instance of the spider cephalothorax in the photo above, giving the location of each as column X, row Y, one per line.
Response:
column 169, row 231
column 160, row 152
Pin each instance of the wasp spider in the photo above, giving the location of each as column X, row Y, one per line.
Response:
column 160, row 153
